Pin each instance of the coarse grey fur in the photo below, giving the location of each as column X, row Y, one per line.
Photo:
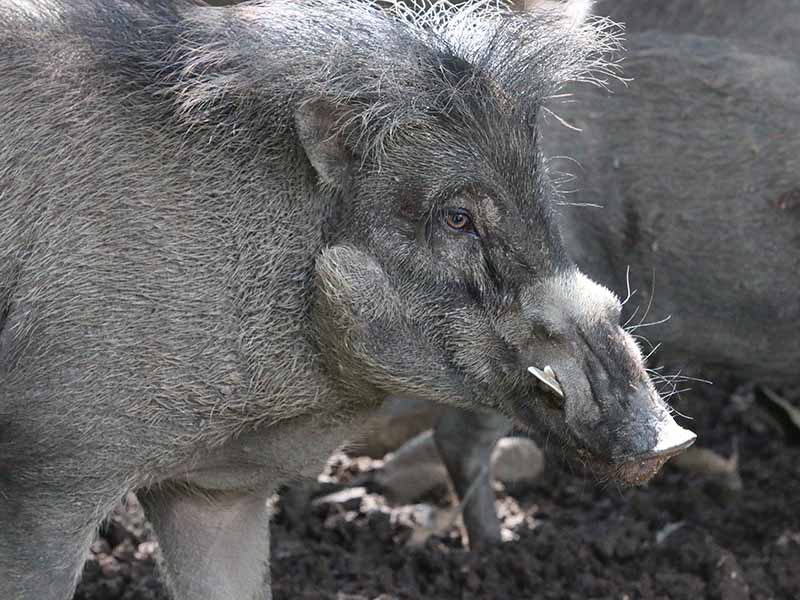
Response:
column 692, row 176
column 227, row 234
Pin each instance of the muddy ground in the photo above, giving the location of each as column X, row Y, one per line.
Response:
column 682, row 536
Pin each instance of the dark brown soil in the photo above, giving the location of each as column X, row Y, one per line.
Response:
column 682, row 536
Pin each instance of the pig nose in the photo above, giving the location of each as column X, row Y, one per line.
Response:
column 671, row 439
column 648, row 435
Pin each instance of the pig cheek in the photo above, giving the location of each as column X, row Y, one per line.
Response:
column 482, row 356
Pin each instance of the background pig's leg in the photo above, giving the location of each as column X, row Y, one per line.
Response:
column 465, row 440
column 412, row 470
column 215, row 545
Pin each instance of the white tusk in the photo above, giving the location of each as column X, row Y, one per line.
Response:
column 548, row 378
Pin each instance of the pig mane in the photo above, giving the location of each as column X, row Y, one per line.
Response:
column 243, row 70
column 385, row 64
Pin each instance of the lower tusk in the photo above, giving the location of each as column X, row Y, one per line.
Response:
column 548, row 378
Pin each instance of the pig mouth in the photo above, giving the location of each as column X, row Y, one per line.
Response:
column 639, row 469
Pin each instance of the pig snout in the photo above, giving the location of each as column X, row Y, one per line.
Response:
column 595, row 384
column 628, row 440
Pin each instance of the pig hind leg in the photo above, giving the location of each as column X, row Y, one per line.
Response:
column 215, row 545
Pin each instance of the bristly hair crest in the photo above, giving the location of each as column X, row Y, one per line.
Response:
column 385, row 65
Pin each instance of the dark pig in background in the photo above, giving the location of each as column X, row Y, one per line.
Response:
column 697, row 165
column 226, row 235
column 686, row 192
column 772, row 28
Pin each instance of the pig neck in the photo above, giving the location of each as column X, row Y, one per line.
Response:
column 280, row 416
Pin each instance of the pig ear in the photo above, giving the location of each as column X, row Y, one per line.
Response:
column 322, row 141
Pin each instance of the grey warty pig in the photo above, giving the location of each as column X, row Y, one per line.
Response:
column 696, row 165
column 227, row 234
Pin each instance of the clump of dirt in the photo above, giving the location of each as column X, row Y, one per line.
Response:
column 682, row 536
column 122, row 563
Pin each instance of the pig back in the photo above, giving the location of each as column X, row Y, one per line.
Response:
column 763, row 26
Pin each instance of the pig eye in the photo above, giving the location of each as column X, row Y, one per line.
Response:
column 459, row 220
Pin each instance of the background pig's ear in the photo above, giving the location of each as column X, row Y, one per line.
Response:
column 322, row 141
column 574, row 12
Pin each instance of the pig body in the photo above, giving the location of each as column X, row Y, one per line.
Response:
column 153, row 315
column 227, row 234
